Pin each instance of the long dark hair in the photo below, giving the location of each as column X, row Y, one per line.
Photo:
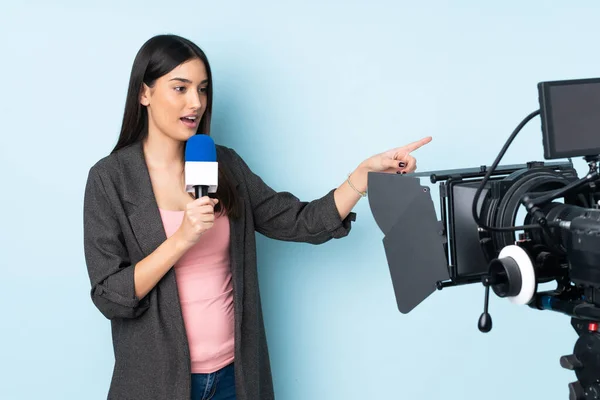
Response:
column 157, row 57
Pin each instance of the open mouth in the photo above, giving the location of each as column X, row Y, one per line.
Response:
column 190, row 122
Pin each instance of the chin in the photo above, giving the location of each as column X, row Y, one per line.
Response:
column 185, row 134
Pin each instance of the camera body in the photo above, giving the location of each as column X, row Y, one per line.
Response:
column 477, row 239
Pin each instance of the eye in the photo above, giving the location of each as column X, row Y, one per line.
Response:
column 203, row 90
column 179, row 88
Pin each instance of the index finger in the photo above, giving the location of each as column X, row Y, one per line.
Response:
column 419, row 143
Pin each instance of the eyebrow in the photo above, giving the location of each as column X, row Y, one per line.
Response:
column 184, row 80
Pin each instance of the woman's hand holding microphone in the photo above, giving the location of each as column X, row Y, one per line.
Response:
column 199, row 217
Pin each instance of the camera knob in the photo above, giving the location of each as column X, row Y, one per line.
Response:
column 570, row 362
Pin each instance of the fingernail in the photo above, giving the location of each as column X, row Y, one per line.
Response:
column 402, row 165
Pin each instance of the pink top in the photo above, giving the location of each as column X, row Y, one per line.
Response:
column 205, row 290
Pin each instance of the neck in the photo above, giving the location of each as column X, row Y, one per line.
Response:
column 162, row 151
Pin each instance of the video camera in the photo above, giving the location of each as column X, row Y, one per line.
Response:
column 477, row 239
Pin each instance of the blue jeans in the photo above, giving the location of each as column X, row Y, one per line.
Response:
column 219, row 385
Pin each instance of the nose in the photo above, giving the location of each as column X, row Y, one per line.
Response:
column 195, row 102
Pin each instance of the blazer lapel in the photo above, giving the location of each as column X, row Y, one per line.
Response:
column 145, row 217
column 146, row 222
column 237, row 231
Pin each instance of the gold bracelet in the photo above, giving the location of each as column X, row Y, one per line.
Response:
column 362, row 194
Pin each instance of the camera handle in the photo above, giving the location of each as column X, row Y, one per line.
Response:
column 485, row 320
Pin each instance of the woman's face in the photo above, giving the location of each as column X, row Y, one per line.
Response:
column 177, row 101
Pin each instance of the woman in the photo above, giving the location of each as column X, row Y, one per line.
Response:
column 177, row 275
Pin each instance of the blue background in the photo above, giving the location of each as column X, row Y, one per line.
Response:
column 304, row 91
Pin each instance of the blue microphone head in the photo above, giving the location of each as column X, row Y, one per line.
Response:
column 200, row 147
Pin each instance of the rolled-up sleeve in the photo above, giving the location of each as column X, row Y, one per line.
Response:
column 282, row 216
column 109, row 268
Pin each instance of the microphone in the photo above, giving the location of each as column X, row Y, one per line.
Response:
column 201, row 167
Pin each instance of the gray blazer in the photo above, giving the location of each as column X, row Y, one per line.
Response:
column 122, row 225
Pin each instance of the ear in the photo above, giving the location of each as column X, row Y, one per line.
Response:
column 145, row 95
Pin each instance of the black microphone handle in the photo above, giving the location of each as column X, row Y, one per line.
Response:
column 201, row 191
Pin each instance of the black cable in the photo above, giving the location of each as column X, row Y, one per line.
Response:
column 591, row 177
column 489, row 174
